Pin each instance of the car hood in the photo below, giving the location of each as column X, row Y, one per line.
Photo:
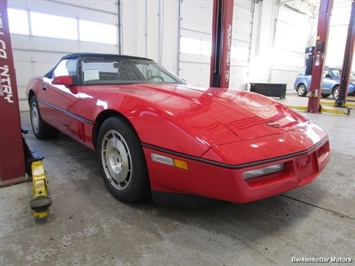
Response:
column 247, row 115
column 191, row 120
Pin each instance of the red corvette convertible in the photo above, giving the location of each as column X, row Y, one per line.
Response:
column 153, row 133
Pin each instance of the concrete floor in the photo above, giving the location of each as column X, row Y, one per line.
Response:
column 87, row 226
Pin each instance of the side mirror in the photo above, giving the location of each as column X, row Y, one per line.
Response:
column 63, row 80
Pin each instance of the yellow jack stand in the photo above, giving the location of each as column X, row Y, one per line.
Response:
column 34, row 168
column 41, row 202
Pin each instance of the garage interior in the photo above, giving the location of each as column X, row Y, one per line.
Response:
column 86, row 225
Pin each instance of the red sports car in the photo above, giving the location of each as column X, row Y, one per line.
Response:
column 154, row 133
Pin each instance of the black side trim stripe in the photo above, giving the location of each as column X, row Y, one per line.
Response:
column 67, row 112
column 236, row 166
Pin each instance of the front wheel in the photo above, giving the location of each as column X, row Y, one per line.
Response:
column 122, row 161
column 301, row 90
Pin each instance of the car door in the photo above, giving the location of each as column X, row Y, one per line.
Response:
column 57, row 101
column 327, row 81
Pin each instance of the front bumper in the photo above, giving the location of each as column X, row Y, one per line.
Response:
column 226, row 182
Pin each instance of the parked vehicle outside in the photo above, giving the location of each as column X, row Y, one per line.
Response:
column 330, row 83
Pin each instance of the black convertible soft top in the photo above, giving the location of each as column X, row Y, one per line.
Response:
column 80, row 55
column 77, row 55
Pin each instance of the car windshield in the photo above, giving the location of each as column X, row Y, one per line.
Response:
column 125, row 71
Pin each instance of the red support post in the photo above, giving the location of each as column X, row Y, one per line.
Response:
column 348, row 59
column 325, row 10
column 12, row 159
column 221, row 43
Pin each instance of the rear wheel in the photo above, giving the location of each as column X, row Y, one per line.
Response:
column 335, row 93
column 301, row 90
column 40, row 128
column 122, row 161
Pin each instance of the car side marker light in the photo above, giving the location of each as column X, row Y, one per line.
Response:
column 169, row 161
column 180, row 164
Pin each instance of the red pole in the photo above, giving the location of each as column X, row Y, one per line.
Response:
column 12, row 160
column 348, row 59
column 325, row 10
column 222, row 22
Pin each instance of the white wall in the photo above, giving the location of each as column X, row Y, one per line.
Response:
column 195, row 42
column 150, row 29
column 268, row 38
column 35, row 55
column 278, row 46
column 268, row 42
column 337, row 35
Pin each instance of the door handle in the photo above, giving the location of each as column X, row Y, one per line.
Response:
column 44, row 88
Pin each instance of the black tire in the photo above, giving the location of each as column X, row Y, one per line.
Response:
column 301, row 90
column 335, row 92
column 325, row 95
column 122, row 161
column 40, row 128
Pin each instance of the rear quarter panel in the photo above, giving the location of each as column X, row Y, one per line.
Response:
column 305, row 80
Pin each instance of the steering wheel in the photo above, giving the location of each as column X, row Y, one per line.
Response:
column 155, row 76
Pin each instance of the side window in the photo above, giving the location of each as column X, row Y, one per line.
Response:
column 336, row 72
column 65, row 67
column 326, row 72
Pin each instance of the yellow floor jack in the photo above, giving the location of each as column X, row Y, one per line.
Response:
column 41, row 201
column 34, row 167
